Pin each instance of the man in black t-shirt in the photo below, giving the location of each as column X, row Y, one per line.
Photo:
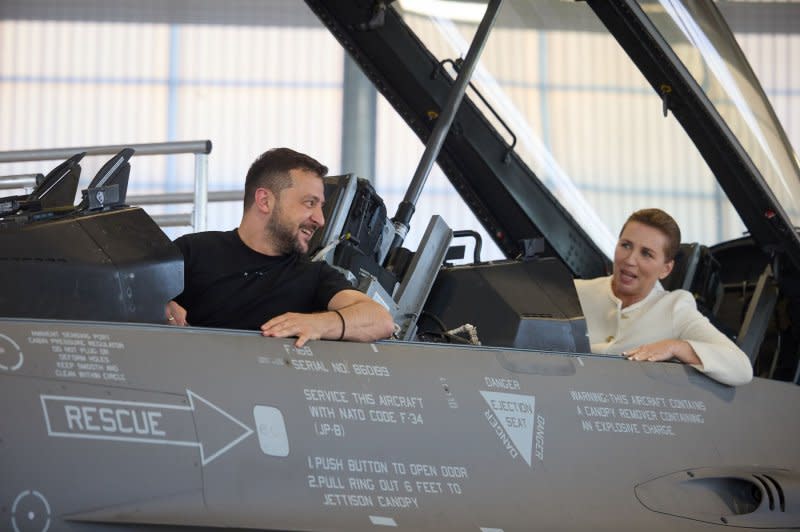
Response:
column 258, row 276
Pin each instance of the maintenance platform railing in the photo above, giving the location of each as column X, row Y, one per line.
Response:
column 199, row 198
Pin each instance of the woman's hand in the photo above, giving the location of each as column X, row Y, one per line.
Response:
column 664, row 350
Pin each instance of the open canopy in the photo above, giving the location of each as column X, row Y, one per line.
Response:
column 544, row 138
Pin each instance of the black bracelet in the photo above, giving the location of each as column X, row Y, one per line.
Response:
column 343, row 326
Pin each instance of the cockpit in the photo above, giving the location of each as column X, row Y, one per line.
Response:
column 107, row 261
column 526, row 149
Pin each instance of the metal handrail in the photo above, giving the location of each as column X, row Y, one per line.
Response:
column 18, row 181
column 154, row 148
column 200, row 149
column 179, row 220
column 183, row 197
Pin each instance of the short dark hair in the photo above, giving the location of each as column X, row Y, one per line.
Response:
column 658, row 219
column 271, row 171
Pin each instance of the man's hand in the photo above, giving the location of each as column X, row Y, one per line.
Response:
column 304, row 326
column 664, row 350
column 362, row 320
column 175, row 314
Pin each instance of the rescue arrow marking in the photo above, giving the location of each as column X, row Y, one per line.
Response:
column 133, row 421
column 247, row 430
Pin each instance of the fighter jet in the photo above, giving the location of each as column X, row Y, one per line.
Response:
column 487, row 411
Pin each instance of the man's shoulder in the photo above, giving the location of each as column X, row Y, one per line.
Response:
column 206, row 238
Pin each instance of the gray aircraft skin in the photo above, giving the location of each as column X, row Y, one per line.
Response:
column 213, row 428
column 114, row 421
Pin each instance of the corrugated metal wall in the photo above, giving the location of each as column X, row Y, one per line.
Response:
column 272, row 76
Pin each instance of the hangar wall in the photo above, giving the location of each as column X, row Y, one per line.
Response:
column 254, row 74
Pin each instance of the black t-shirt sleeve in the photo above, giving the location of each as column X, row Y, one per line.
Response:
column 331, row 282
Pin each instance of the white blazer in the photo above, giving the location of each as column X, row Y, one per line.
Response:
column 662, row 315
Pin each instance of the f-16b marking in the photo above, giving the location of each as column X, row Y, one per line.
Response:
column 141, row 422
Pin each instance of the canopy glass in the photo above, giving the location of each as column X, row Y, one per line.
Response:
column 590, row 126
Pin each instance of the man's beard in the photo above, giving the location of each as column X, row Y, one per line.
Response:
column 284, row 237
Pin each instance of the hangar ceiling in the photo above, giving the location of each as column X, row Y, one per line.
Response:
column 746, row 16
